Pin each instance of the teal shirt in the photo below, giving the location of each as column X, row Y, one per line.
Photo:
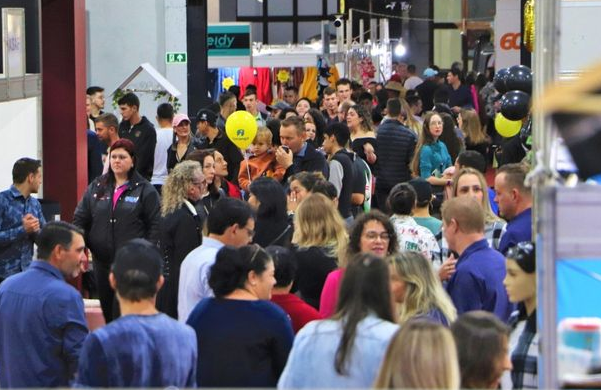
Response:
column 431, row 223
column 434, row 158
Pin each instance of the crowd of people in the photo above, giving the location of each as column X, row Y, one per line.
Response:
column 361, row 241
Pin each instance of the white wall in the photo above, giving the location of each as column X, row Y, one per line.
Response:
column 20, row 135
column 122, row 35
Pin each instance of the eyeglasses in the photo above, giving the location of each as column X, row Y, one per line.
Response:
column 372, row 236
column 250, row 232
column 521, row 250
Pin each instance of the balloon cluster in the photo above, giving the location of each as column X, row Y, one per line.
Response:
column 515, row 84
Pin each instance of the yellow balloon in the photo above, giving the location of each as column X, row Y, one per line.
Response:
column 241, row 128
column 505, row 127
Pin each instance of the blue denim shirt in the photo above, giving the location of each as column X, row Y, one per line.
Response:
column 311, row 361
column 16, row 246
column 42, row 328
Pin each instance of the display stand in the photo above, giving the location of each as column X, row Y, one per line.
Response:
column 568, row 239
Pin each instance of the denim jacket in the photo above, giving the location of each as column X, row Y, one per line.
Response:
column 311, row 360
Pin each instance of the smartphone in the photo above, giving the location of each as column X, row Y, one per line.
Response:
column 286, row 148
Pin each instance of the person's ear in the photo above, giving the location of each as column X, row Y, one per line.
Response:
column 113, row 281
column 160, row 282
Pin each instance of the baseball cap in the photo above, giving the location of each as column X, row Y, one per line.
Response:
column 179, row 118
column 422, row 188
column 206, row 115
column 278, row 106
column 429, row 72
column 137, row 260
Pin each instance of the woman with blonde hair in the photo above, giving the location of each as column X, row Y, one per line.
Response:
column 422, row 355
column 475, row 137
column 410, row 122
column 418, row 291
column 319, row 239
column 180, row 227
column 470, row 182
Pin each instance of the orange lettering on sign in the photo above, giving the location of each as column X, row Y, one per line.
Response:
column 511, row 41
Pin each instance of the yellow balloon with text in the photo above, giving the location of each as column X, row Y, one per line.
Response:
column 507, row 128
column 241, row 128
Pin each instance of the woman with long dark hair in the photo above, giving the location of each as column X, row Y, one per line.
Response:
column 363, row 135
column 272, row 225
column 117, row 207
column 431, row 156
column 346, row 351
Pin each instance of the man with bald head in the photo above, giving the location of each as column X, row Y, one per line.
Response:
column 477, row 283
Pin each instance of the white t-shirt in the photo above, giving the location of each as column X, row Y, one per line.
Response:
column 164, row 141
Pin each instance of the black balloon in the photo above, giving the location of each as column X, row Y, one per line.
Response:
column 519, row 79
column 500, row 79
column 515, row 105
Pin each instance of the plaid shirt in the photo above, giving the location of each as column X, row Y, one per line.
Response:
column 16, row 246
column 524, row 350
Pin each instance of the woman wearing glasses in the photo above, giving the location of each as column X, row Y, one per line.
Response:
column 431, row 156
column 371, row 233
column 243, row 339
column 180, row 228
column 520, row 283
column 347, row 350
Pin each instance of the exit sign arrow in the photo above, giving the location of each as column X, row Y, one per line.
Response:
column 176, row 58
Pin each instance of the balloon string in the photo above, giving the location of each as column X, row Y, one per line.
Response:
column 247, row 166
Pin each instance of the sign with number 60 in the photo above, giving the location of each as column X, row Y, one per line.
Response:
column 511, row 41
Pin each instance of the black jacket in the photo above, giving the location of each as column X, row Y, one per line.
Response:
column 144, row 137
column 180, row 233
column 312, row 161
column 396, row 148
column 172, row 153
column 313, row 266
column 136, row 215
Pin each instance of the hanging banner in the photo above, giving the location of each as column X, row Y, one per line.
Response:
column 507, row 33
column 13, row 40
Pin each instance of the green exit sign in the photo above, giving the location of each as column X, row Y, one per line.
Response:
column 176, row 58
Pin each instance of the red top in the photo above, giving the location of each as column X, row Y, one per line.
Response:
column 300, row 312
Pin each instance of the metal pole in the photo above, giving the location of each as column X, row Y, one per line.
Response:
column 547, row 17
column 361, row 32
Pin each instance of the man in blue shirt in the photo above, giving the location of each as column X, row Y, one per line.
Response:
column 477, row 283
column 21, row 217
column 515, row 205
column 42, row 320
column 142, row 348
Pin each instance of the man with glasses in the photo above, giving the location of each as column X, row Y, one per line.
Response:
column 231, row 222
column 477, row 283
